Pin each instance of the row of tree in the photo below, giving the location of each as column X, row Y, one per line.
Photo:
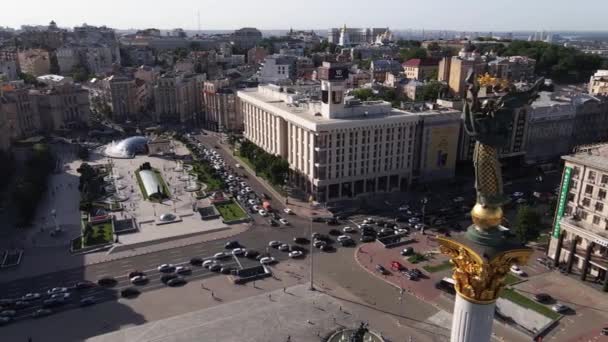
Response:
column 273, row 167
column 31, row 183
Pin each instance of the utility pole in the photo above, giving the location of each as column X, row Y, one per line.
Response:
column 312, row 286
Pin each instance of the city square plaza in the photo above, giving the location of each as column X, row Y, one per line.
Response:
column 146, row 214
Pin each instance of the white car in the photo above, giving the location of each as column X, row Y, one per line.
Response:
column 319, row 243
column 208, row 263
column 248, row 189
column 251, row 201
column 419, row 226
column 64, row 295
column 348, row 229
column 401, row 231
column 257, row 207
column 138, row 279
column 267, row 260
column 284, row 222
column 515, row 269
column 238, row 251
column 220, row 255
column 404, row 208
column 243, row 185
column 182, row 269
column 518, row 194
column 458, row 199
column 274, row 244
column 263, row 213
column 295, row 254
column 413, row 220
column 57, row 290
column 165, row 268
column 343, row 238
column 288, row 211
column 31, row 296
column 238, row 166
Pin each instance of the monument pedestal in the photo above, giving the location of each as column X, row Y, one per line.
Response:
column 471, row 322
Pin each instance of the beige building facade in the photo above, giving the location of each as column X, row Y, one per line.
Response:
column 579, row 242
column 598, row 83
column 35, row 62
column 337, row 148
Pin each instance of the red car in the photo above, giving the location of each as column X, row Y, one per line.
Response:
column 396, row 265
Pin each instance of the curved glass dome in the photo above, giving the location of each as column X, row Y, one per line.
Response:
column 127, row 148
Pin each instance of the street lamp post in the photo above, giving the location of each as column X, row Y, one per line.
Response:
column 425, row 200
column 312, row 285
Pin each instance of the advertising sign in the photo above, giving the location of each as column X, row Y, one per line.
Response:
column 561, row 204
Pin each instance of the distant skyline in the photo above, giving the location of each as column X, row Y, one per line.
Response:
column 463, row 15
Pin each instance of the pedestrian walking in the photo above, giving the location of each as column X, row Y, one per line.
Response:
column 212, row 294
column 269, row 296
column 284, row 290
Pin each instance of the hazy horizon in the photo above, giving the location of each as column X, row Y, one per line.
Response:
column 464, row 15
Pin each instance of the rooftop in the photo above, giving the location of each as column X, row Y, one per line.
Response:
column 417, row 62
column 595, row 157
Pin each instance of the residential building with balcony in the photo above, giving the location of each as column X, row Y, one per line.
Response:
column 341, row 148
column 579, row 241
column 598, row 83
column 119, row 93
column 178, row 97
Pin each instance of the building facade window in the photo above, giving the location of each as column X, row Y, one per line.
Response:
column 588, row 189
column 601, row 194
column 586, row 202
column 596, row 219
column 591, row 177
column 599, row 206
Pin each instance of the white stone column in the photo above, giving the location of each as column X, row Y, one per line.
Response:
column 472, row 322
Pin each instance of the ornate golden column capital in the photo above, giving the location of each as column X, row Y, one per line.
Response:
column 477, row 279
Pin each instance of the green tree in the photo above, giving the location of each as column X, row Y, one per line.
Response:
column 364, row 94
column 430, row 91
column 528, row 224
column 409, row 53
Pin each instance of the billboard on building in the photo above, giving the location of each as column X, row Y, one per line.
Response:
column 441, row 147
column 563, row 199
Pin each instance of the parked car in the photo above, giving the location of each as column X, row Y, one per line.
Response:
column 134, row 274
column 251, row 254
column 85, row 284
column 319, row 243
column 515, row 269
column 348, row 229
column 232, row 244
column 196, row 261
column 335, row 232
column 107, row 281
column 295, row 254
column 367, row 238
column 284, row 222
column 343, row 238
column 177, row 281
column 267, row 260
column 543, row 298
column 165, row 268
column 129, row 292
column 274, row 244
column 221, row 255
column 208, row 263
column 301, row 240
column 284, row 247
column 396, row 265
column 273, row 223
column 288, row 211
column 41, row 313
column 57, row 290
column 560, row 308
column 87, row 301
column 238, row 251
column 215, row 268
column 348, row 243
column 31, row 296
column 166, row 277
column 263, row 213
column 183, row 270
column 407, row 251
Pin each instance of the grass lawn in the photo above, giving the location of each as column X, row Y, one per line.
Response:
column 416, row 258
column 102, row 233
column 437, row 268
column 206, row 175
column 247, row 162
column 515, row 297
column 231, row 211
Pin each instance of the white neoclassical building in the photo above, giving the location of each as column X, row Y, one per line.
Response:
column 341, row 148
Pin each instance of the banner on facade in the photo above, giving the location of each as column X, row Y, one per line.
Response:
column 563, row 199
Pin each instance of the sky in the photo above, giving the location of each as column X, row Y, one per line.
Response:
column 460, row 15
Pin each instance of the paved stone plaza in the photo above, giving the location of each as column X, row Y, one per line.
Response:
column 147, row 213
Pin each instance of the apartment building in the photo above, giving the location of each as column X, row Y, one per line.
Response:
column 35, row 62
column 120, row 93
column 598, row 83
column 20, row 111
column 178, row 97
column 340, row 148
column 420, row 69
column 221, row 113
column 63, row 106
column 579, row 242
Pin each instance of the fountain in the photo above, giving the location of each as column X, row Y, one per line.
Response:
column 110, row 188
column 126, row 148
column 120, row 196
column 193, row 186
column 179, row 166
column 119, row 185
